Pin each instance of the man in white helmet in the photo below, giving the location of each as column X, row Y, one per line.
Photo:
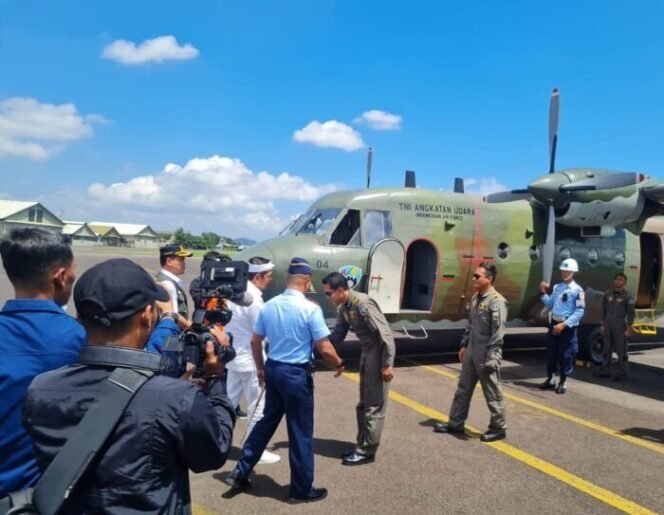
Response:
column 567, row 304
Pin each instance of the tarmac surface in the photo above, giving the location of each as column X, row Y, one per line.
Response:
column 597, row 449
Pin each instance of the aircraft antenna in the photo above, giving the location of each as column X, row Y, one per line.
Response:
column 369, row 154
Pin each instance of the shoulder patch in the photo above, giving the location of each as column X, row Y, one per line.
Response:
column 363, row 310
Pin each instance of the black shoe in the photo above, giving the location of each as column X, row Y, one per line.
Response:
column 315, row 494
column 240, row 414
column 446, row 427
column 561, row 388
column 347, row 453
column 493, row 435
column 358, row 459
column 549, row 384
column 237, row 482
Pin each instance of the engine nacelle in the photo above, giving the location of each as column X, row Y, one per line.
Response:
column 617, row 211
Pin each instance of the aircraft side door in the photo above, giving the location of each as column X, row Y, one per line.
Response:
column 385, row 264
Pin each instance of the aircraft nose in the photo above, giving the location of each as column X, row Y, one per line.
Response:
column 257, row 250
column 547, row 188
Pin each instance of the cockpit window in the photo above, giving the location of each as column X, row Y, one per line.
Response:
column 289, row 226
column 315, row 222
column 377, row 226
column 348, row 230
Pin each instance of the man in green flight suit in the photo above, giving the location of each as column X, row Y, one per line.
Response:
column 359, row 313
column 481, row 353
column 617, row 320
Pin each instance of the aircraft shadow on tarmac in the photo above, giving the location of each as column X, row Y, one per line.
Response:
column 526, row 368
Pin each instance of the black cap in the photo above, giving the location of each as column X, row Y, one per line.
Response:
column 174, row 250
column 299, row 266
column 115, row 290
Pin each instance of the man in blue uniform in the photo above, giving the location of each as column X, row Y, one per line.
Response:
column 567, row 304
column 36, row 335
column 293, row 326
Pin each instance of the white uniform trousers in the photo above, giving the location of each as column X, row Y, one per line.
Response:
column 246, row 383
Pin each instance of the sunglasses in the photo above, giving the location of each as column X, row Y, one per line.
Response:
column 329, row 293
column 478, row 276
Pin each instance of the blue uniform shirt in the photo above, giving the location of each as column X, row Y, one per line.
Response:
column 35, row 336
column 162, row 331
column 566, row 301
column 291, row 323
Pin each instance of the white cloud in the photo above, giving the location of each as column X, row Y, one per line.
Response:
column 34, row 130
column 163, row 48
column 380, row 120
column 221, row 190
column 483, row 186
column 332, row 134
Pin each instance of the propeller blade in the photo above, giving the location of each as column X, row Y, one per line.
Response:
column 604, row 182
column 506, row 196
column 549, row 245
column 554, row 115
column 369, row 155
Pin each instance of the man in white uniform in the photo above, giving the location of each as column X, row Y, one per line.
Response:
column 242, row 378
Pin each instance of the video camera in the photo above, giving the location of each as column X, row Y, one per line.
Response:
column 219, row 281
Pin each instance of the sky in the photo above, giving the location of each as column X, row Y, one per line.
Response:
column 235, row 116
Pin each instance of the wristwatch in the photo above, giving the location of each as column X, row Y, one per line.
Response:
column 173, row 316
column 340, row 364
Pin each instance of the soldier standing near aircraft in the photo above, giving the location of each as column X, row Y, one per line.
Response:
column 567, row 304
column 481, row 353
column 617, row 320
column 360, row 313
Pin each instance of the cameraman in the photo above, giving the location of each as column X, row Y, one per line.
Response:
column 36, row 335
column 169, row 427
column 242, row 378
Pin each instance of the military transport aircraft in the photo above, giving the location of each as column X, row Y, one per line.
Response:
column 414, row 250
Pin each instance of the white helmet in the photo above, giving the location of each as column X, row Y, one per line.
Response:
column 569, row 265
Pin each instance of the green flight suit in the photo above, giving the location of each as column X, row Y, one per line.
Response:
column 617, row 316
column 363, row 316
column 483, row 339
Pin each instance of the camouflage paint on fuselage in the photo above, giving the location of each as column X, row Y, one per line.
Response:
column 464, row 231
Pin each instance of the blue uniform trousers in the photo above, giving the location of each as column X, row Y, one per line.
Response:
column 561, row 351
column 288, row 390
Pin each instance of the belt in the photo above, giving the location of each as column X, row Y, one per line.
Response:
column 559, row 319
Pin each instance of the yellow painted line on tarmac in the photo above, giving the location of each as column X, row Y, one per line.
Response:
column 576, row 482
column 197, row 509
column 652, row 446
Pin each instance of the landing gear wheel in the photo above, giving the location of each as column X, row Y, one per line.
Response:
column 591, row 344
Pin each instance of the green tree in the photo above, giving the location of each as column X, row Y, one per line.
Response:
column 180, row 237
column 210, row 239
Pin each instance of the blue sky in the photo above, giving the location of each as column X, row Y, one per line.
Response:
column 199, row 128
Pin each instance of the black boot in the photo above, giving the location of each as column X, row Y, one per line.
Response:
column 549, row 384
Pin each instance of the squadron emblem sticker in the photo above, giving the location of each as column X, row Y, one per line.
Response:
column 353, row 275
